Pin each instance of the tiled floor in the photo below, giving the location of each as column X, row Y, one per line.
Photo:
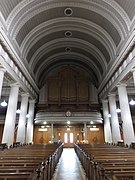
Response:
column 69, row 167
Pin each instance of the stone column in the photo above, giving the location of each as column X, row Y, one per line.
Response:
column 52, row 136
column 29, row 131
column 9, row 127
column 114, row 119
column 85, row 132
column 107, row 126
column 2, row 71
column 22, row 119
column 133, row 72
column 128, row 131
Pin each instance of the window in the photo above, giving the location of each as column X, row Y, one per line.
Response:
column 65, row 138
column 71, row 138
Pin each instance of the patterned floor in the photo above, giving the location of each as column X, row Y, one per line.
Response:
column 69, row 167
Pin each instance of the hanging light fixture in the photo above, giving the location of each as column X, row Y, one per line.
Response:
column 132, row 102
column 18, row 111
column 68, row 128
column 118, row 110
column 68, row 122
column 4, row 103
column 27, row 116
column 109, row 115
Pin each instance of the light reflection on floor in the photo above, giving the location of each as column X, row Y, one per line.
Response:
column 69, row 167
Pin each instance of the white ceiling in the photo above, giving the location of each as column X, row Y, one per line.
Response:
column 93, row 31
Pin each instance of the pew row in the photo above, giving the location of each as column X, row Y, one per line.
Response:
column 31, row 162
column 103, row 162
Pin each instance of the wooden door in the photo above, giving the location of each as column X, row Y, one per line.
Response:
column 68, row 139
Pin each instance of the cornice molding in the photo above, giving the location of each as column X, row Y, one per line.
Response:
column 120, row 11
column 14, row 72
column 110, row 76
column 116, row 80
column 19, row 64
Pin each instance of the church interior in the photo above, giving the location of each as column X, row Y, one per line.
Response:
column 67, row 81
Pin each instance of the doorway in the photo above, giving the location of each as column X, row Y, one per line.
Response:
column 68, row 139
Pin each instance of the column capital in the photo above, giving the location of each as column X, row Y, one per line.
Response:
column 121, row 84
column 104, row 100
column 32, row 101
column 133, row 70
column 16, row 84
column 111, row 94
column 25, row 94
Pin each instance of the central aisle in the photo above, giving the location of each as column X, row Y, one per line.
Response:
column 69, row 167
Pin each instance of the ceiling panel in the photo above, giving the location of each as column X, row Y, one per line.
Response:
column 128, row 6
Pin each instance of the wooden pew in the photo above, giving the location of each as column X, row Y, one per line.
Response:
column 102, row 162
column 3, row 146
column 17, row 176
column 29, row 162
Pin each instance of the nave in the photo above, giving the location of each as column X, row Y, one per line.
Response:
column 69, row 167
column 53, row 162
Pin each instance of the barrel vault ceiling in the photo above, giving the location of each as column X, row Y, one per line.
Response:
column 86, row 34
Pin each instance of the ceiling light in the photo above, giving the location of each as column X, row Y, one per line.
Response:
column 68, row 128
column 94, row 129
column 18, row 111
column 109, row 115
column 68, row 33
column 44, row 122
column 67, row 49
column 4, row 104
column 68, row 122
column 132, row 102
column 68, row 11
column 27, row 116
column 91, row 122
column 118, row 110
column 42, row 129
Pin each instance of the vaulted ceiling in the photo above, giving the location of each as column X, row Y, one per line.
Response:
column 87, row 34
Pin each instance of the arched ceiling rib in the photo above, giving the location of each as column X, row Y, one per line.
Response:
column 75, row 35
column 129, row 7
column 61, row 25
column 59, row 62
column 54, row 13
column 76, row 57
column 37, row 28
column 91, row 52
